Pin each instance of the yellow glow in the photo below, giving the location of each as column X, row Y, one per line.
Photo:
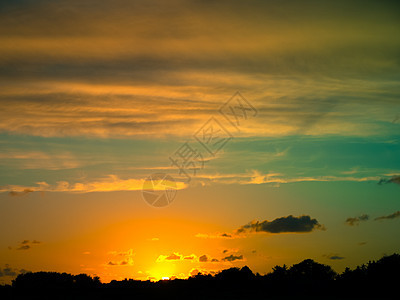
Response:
column 162, row 272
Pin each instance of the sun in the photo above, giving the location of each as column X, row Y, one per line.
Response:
column 162, row 272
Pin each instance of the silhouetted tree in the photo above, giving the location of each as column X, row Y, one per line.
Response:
column 303, row 280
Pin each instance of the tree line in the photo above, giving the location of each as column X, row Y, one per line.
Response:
column 307, row 279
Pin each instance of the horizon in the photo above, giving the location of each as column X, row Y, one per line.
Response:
column 214, row 274
column 150, row 140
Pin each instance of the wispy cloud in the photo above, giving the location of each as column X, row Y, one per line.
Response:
column 107, row 184
column 27, row 244
column 353, row 221
column 394, row 179
column 257, row 177
column 15, row 158
column 392, row 216
column 148, row 75
column 217, row 235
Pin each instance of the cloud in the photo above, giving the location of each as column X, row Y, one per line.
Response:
column 226, row 235
column 289, row 224
column 275, row 179
column 356, row 220
column 17, row 194
column 172, row 257
column 190, row 257
column 120, row 263
column 96, row 75
column 106, row 184
column 203, row 258
column 196, row 271
column 24, row 247
column 333, row 256
column 180, row 257
column 29, row 160
column 27, row 244
column 11, row 272
column 114, row 183
column 7, row 271
column 127, row 258
column 233, row 258
column 394, row 179
column 392, row 216
column 223, row 235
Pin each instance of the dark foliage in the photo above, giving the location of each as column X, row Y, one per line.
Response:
column 305, row 280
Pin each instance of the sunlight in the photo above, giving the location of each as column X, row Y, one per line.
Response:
column 162, row 272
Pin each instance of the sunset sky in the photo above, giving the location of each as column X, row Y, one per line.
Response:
column 96, row 96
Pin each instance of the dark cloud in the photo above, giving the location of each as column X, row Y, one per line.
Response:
column 333, row 256
column 389, row 217
column 225, row 251
column 7, row 271
column 283, row 225
column 214, row 260
column 233, row 257
column 118, row 263
column 356, row 220
column 226, row 235
column 203, row 258
column 24, row 247
column 394, row 179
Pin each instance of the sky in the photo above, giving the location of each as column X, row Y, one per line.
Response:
column 150, row 139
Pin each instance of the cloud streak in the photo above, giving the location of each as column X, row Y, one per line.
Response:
column 107, row 184
column 394, row 179
column 392, row 216
column 86, row 77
